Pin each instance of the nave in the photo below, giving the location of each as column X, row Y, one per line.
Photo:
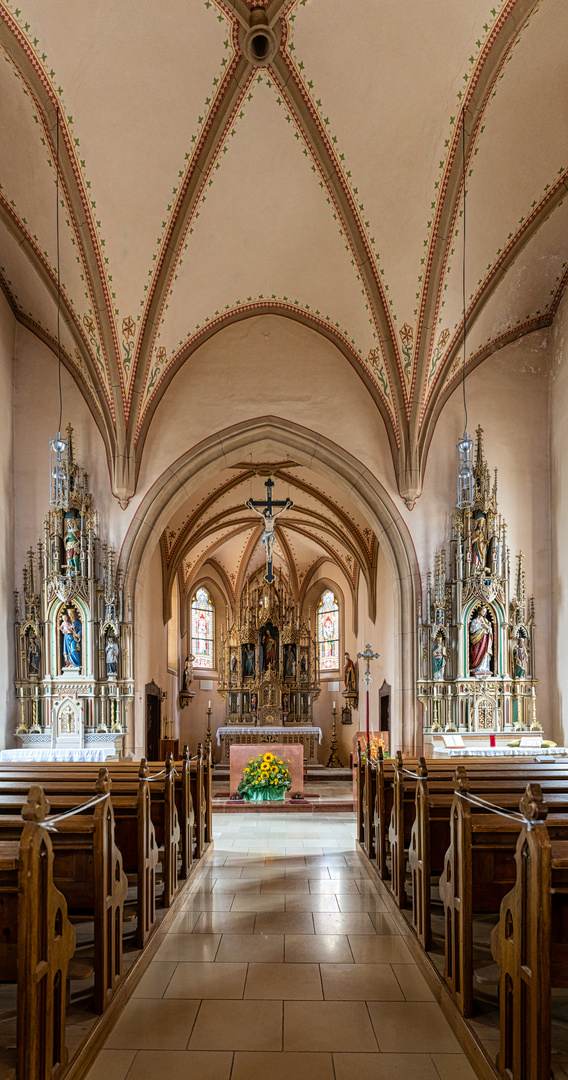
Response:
column 282, row 963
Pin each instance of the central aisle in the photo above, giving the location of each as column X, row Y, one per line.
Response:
column 283, row 966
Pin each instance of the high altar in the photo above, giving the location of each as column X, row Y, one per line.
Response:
column 476, row 674
column 74, row 676
column 269, row 674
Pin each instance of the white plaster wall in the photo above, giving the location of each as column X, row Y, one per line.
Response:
column 559, row 503
column 8, row 705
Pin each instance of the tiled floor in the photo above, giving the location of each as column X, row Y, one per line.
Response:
column 282, row 964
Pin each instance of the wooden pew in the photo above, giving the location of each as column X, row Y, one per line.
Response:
column 369, row 807
column 37, row 942
column 199, row 797
column 530, row 945
column 479, row 869
column 88, row 870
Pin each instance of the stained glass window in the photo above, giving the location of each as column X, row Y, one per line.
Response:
column 328, row 632
column 202, row 629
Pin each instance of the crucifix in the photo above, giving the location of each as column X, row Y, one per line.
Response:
column 368, row 655
column 266, row 512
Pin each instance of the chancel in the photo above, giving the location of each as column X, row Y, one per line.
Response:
column 283, row 541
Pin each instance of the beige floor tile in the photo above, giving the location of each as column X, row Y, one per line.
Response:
column 381, row 949
column 236, row 886
column 413, row 983
column 282, row 1066
column 312, row 902
column 254, row 948
column 326, row 885
column 332, row 923
column 262, row 902
column 285, row 885
column 155, row 980
column 222, row 873
column 327, row 1025
column 386, row 1067
column 284, row 981
column 184, row 922
column 154, row 1025
column 397, row 1021
column 188, row 947
column 206, row 980
column 181, row 1065
column 452, row 1066
column 383, row 924
column 360, row 982
column 213, row 901
column 317, row 949
column 225, row 922
column 284, row 922
column 349, row 902
column 237, row 1025
column 112, row 1065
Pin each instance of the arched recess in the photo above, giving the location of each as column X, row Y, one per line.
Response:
column 311, row 600
column 271, row 435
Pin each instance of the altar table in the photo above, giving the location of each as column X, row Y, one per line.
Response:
column 248, row 735
column 290, row 752
column 101, row 753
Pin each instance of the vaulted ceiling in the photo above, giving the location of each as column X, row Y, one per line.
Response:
column 297, row 157
column 215, row 530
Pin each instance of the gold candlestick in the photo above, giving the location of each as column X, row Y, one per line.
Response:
column 334, row 762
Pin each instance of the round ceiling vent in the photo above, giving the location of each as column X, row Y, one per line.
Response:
column 260, row 45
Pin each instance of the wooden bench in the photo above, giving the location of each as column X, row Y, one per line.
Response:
column 37, row 942
column 88, row 870
column 479, row 869
column 530, row 945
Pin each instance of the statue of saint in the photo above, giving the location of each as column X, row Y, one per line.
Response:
column 248, row 660
column 349, row 673
column 111, row 656
column 72, row 549
column 480, row 644
column 289, row 663
column 520, row 658
column 34, row 654
column 479, row 543
column 187, row 677
column 269, row 646
column 70, row 627
column 438, row 659
column 253, row 702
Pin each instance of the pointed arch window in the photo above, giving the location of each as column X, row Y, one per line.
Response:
column 328, row 632
column 202, row 629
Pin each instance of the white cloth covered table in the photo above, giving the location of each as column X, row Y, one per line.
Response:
column 267, row 729
column 100, row 753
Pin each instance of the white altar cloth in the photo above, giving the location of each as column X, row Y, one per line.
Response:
column 101, row 753
column 503, row 751
column 267, row 729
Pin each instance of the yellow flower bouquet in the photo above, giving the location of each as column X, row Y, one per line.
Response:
column 265, row 778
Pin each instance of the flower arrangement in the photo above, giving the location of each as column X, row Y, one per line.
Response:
column 265, row 777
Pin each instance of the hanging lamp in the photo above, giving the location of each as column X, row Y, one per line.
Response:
column 465, row 442
column 58, row 447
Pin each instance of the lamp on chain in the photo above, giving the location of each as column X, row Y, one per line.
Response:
column 58, row 447
column 465, row 442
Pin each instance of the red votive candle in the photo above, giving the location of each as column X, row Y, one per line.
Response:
column 492, row 740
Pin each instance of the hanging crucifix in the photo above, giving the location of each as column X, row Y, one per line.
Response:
column 266, row 512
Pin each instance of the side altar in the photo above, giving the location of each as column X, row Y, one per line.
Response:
column 269, row 672
column 476, row 631
column 73, row 636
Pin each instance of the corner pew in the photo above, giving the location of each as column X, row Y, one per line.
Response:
column 88, row 870
column 37, row 942
column 479, row 869
column 530, row 945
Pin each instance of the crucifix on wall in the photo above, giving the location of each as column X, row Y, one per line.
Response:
column 266, row 511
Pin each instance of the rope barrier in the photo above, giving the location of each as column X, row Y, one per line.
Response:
column 71, row 813
column 414, row 775
column 512, row 815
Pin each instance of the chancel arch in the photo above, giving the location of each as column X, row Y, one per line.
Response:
column 203, row 476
